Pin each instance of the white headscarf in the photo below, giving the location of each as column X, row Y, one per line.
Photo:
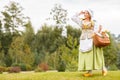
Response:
column 90, row 12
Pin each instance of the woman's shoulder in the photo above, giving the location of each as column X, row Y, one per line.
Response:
column 95, row 22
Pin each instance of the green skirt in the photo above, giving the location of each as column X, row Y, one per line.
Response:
column 91, row 60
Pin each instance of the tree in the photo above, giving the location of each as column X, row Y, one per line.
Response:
column 117, row 40
column 0, row 28
column 74, row 32
column 110, row 52
column 13, row 21
column 1, row 51
column 21, row 52
column 2, row 56
column 118, row 57
column 13, row 17
column 29, row 35
column 42, row 43
column 59, row 14
column 66, row 52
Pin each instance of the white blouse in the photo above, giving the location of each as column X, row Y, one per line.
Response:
column 87, row 43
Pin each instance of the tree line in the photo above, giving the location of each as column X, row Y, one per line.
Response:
column 47, row 49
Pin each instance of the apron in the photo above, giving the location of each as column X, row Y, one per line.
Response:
column 86, row 40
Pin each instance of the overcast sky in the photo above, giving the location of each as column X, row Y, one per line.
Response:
column 107, row 12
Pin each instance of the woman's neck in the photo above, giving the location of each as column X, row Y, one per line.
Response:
column 87, row 19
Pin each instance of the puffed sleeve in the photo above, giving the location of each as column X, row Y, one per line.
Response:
column 77, row 19
column 96, row 26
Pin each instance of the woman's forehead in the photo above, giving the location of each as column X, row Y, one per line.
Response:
column 86, row 11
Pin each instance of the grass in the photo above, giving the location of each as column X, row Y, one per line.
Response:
column 112, row 75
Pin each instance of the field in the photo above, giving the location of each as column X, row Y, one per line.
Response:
column 112, row 75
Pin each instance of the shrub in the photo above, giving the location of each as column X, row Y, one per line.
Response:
column 8, row 69
column 22, row 66
column 2, row 69
column 14, row 69
column 25, row 67
column 28, row 67
column 15, row 64
column 43, row 66
column 61, row 66
column 2, row 64
column 38, row 69
column 113, row 67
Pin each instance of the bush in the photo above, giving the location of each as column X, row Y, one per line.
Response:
column 2, row 64
column 38, row 69
column 25, row 67
column 61, row 67
column 2, row 69
column 43, row 66
column 15, row 64
column 113, row 67
column 14, row 69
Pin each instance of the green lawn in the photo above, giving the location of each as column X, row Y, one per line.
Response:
column 112, row 75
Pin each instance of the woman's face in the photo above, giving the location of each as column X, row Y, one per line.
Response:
column 86, row 14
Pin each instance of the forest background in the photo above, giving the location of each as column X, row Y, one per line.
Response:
column 21, row 49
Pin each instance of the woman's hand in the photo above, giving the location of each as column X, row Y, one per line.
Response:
column 100, row 28
column 82, row 12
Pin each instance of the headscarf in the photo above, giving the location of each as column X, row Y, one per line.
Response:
column 90, row 12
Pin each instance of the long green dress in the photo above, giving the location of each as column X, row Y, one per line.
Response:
column 92, row 59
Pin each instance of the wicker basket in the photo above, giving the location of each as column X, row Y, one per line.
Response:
column 101, row 40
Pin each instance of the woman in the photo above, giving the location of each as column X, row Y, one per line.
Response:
column 90, row 56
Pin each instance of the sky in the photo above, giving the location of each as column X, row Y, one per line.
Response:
column 106, row 12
